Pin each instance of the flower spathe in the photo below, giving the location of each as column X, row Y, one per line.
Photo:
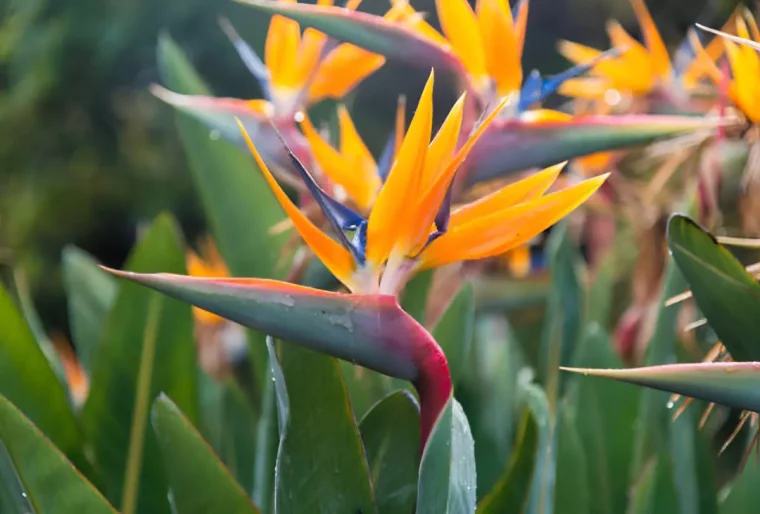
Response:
column 744, row 62
column 639, row 69
column 305, row 68
column 410, row 226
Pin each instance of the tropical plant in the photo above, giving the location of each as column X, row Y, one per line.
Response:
column 376, row 357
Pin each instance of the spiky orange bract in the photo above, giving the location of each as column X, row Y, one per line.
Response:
column 744, row 84
column 487, row 40
column 639, row 70
column 300, row 71
column 401, row 219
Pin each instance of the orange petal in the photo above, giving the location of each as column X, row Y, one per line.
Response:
column 419, row 222
column 342, row 70
column 503, row 58
column 405, row 14
column 336, row 166
column 442, row 148
column 309, row 53
column 589, row 88
column 714, row 49
column 361, row 164
column 461, row 28
column 517, row 192
column 518, row 260
column 401, row 188
column 506, row 229
column 400, row 125
column 336, row 258
column 658, row 52
column 281, row 51
column 521, row 24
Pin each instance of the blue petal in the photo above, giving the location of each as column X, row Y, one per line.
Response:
column 386, row 158
column 341, row 218
column 516, row 9
column 536, row 89
column 249, row 56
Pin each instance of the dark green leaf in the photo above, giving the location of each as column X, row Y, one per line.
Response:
column 239, row 206
column 267, row 439
column 572, row 493
column 564, row 316
column 605, row 416
column 414, row 297
column 27, row 380
column 51, row 482
column 727, row 295
column 541, row 499
column 321, row 466
column 147, row 348
column 13, row 497
column 454, row 331
column 654, row 415
column 391, row 435
column 90, row 293
column 199, row 481
column 510, row 492
column 447, row 471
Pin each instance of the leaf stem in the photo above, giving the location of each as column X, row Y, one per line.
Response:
column 142, row 404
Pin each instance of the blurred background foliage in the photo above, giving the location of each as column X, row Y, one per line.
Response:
column 88, row 153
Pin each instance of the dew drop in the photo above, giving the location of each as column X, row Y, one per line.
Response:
column 214, row 135
column 671, row 404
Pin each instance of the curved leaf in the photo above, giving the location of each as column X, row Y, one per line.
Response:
column 391, row 435
column 454, row 330
column 51, row 482
column 27, row 380
column 367, row 31
column 321, row 466
column 199, row 481
column 147, row 348
column 510, row 492
column 90, row 293
column 727, row 295
column 515, row 145
column 735, row 384
column 447, row 480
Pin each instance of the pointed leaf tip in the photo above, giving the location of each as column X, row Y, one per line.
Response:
column 372, row 331
column 734, row 384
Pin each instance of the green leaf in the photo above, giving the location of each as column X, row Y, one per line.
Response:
column 693, row 463
column 454, row 330
column 605, row 419
column 564, row 316
column 742, row 494
column 367, row 387
column 34, row 323
column 488, row 392
column 510, row 492
column 199, row 481
column 147, row 348
column 447, row 480
column 52, row 483
column 572, row 492
column 239, row 206
column 27, row 380
column 13, row 496
column 654, row 415
column 735, row 384
column 727, row 295
column 541, row 495
column 321, row 466
column 515, row 144
column 267, row 440
column 90, row 293
column 414, row 297
column 654, row 491
column 391, row 435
